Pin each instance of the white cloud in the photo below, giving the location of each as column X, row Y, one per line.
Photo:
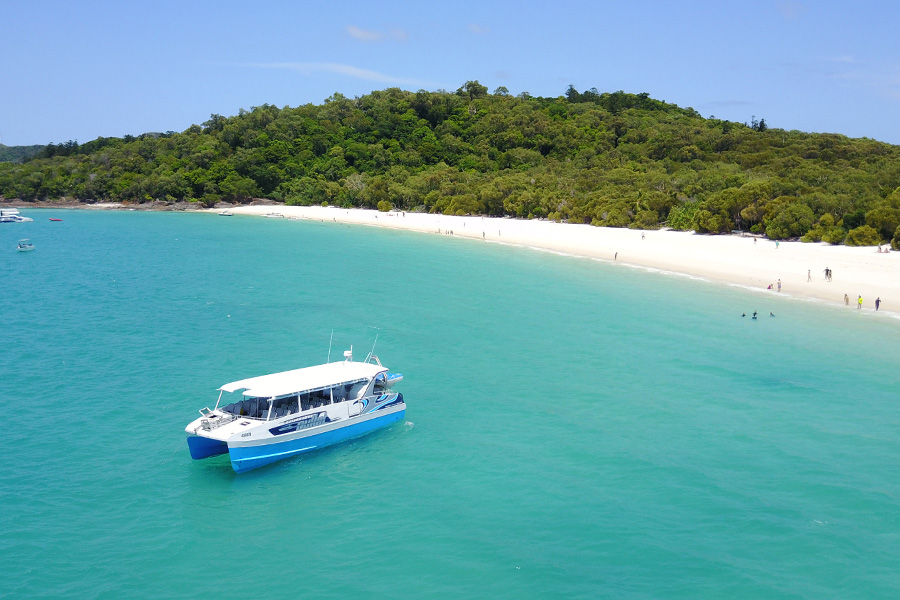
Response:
column 369, row 35
column 364, row 35
column 880, row 79
column 310, row 68
column 399, row 34
column 790, row 9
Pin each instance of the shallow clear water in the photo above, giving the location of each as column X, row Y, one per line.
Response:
column 574, row 428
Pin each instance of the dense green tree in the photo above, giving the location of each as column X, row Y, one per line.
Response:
column 790, row 219
column 614, row 159
column 863, row 236
column 884, row 220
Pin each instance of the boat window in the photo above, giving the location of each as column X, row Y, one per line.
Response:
column 285, row 406
column 357, row 389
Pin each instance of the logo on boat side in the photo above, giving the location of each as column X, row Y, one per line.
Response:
column 304, row 422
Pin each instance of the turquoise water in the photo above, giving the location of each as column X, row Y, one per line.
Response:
column 575, row 429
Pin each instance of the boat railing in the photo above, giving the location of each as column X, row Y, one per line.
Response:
column 214, row 421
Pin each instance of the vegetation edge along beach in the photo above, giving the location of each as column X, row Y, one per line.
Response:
column 608, row 159
column 614, row 162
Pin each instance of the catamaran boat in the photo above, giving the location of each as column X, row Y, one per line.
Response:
column 285, row 414
column 11, row 215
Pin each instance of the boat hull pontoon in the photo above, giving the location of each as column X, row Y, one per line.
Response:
column 293, row 412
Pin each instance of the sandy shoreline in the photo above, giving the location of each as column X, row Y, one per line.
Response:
column 727, row 259
column 754, row 263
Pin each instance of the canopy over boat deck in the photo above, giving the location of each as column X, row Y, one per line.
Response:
column 307, row 379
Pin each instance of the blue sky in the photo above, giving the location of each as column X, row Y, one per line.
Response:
column 79, row 70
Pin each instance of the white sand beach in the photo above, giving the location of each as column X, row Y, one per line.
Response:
column 746, row 261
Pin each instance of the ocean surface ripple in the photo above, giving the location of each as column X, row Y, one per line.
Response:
column 581, row 430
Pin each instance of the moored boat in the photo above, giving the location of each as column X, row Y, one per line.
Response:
column 284, row 414
column 11, row 215
column 25, row 246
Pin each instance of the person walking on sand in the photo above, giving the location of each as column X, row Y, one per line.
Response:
column 877, row 303
column 809, row 274
column 846, row 300
column 859, row 302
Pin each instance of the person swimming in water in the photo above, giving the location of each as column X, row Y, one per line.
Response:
column 754, row 314
column 771, row 314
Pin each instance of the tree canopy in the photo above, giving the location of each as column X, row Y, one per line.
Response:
column 613, row 159
column 18, row 153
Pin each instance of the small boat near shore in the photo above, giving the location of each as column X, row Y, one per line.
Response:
column 11, row 215
column 52, row 219
column 284, row 414
column 226, row 213
column 25, row 246
column 274, row 215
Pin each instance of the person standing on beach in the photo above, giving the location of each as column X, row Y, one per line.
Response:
column 859, row 302
column 779, row 285
column 877, row 303
column 809, row 274
column 846, row 299
column 616, row 257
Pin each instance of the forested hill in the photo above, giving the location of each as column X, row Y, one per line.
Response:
column 613, row 159
column 18, row 153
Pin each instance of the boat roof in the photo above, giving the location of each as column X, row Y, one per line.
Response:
column 305, row 379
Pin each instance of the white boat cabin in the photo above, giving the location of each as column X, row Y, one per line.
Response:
column 338, row 386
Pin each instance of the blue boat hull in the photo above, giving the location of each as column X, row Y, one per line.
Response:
column 202, row 447
column 246, row 458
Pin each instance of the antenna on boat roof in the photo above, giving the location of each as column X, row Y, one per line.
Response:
column 372, row 351
column 329, row 345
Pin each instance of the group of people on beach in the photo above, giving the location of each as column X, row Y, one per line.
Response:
column 859, row 302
